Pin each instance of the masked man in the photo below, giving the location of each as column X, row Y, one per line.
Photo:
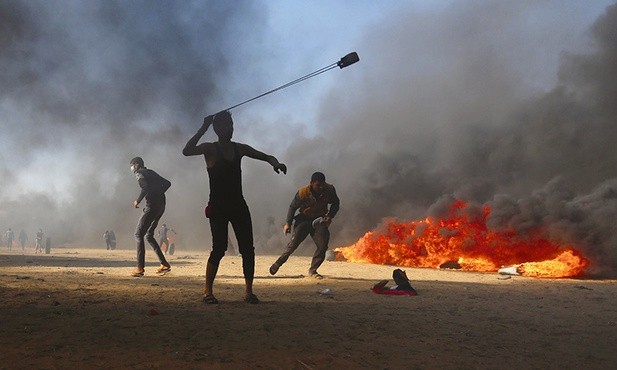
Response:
column 153, row 187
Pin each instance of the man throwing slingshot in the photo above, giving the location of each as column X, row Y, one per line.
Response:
column 226, row 204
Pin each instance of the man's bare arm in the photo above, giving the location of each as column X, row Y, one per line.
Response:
column 251, row 152
column 191, row 147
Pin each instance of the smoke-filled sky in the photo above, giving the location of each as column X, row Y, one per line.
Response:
column 510, row 103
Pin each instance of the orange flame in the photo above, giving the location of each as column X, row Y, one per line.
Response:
column 465, row 242
column 564, row 265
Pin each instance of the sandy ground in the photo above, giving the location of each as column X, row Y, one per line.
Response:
column 78, row 308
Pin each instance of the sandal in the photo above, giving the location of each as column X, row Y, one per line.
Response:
column 163, row 269
column 251, row 298
column 209, row 299
column 137, row 273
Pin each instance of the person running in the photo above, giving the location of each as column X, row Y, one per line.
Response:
column 226, row 203
column 153, row 187
column 313, row 218
column 23, row 239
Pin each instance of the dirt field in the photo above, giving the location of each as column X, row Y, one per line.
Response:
column 79, row 309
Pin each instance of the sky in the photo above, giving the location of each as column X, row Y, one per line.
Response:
column 500, row 103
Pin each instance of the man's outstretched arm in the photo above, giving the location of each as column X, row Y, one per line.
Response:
column 256, row 154
column 191, row 147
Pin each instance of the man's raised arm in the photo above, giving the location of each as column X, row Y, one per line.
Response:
column 191, row 147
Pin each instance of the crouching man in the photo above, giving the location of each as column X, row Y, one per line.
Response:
column 313, row 218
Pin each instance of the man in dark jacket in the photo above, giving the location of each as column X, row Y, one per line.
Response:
column 153, row 188
column 313, row 218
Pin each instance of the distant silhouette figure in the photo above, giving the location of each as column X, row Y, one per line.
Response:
column 9, row 238
column 107, row 238
column 23, row 239
column 164, row 237
column 112, row 239
column 39, row 241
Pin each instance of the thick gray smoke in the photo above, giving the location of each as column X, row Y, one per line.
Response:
column 467, row 102
column 88, row 85
column 465, row 124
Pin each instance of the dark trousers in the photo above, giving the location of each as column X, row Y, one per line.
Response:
column 321, row 237
column 145, row 228
column 240, row 218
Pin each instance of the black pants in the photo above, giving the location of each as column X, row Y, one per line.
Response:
column 240, row 218
column 321, row 237
column 145, row 228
